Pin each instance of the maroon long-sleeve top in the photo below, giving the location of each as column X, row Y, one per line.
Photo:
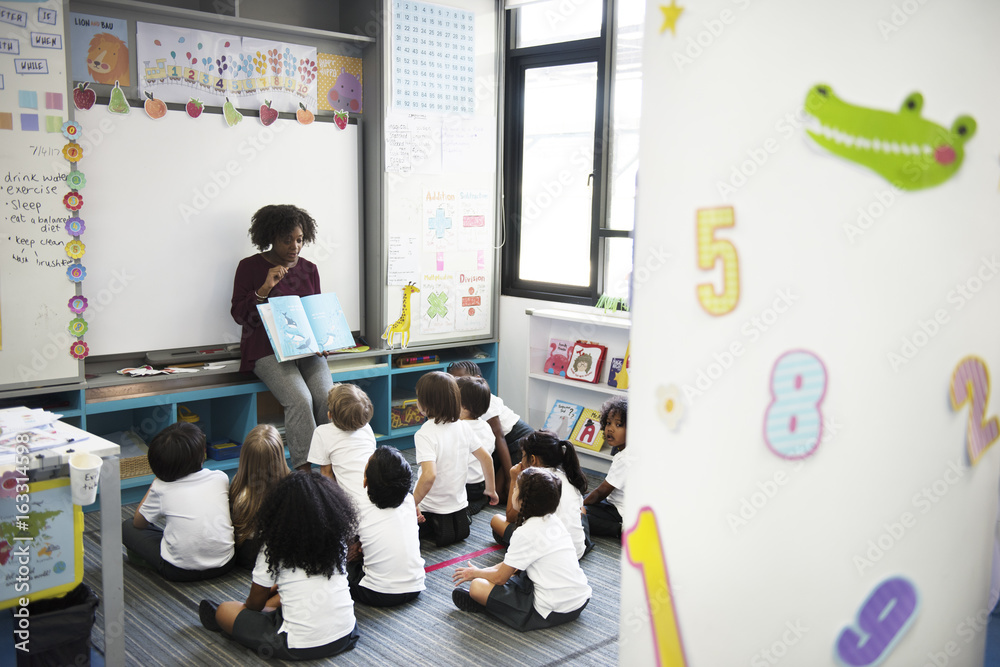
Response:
column 301, row 280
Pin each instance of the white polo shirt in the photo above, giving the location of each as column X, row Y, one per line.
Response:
column 568, row 512
column 483, row 435
column 497, row 409
column 542, row 548
column 198, row 534
column 347, row 452
column 616, row 478
column 391, row 544
column 314, row 610
column 449, row 447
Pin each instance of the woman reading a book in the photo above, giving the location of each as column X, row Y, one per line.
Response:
column 300, row 385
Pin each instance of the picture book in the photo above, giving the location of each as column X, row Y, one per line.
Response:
column 585, row 361
column 298, row 327
column 616, row 366
column 562, row 417
column 558, row 359
column 587, row 433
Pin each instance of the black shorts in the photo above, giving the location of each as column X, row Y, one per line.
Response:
column 356, row 574
column 445, row 529
column 514, row 605
column 258, row 631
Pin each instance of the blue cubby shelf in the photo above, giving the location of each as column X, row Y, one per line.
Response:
column 227, row 405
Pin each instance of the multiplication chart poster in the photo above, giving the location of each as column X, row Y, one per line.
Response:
column 432, row 57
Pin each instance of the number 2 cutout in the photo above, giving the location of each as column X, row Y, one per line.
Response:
column 645, row 551
column 882, row 620
column 709, row 250
column 970, row 383
column 793, row 424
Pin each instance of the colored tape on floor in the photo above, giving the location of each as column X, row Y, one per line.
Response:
column 459, row 559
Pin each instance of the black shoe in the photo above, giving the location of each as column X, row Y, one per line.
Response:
column 206, row 612
column 464, row 601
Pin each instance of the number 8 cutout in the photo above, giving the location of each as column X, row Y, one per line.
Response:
column 793, row 423
column 970, row 383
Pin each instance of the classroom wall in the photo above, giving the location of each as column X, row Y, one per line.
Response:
column 871, row 541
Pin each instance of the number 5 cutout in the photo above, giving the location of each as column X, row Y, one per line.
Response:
column 711, row 249
column 970, row 383
column 645, row 551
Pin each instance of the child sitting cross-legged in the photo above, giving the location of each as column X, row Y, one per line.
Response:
column 262, row 466
column 605, row 504
column 342, row 447
column 196, row 541
column 475, row 393
column 443, row 445
column 544, row 449
column 299, row 606
column 539, row 583
column 386, row 569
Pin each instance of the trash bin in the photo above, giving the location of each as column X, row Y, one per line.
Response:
column 58, row 630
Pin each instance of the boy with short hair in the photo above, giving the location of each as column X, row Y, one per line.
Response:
column 342, row 447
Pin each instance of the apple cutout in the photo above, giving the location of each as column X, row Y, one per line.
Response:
column 267, row 114
column 84, row 97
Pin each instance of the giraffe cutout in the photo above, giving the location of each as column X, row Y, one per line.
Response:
column 402, row 325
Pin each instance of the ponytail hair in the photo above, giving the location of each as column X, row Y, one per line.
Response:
column 554, row 453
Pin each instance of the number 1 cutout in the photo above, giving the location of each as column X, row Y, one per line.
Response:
column 970, row 383
column 645, row 551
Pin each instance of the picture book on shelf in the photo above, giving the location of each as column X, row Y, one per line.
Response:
column 585, row 361
column 562, row 417
column 587, row 433
column 558, row 359
column 298, row 327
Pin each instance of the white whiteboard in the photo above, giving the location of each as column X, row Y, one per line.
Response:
column 167, row 208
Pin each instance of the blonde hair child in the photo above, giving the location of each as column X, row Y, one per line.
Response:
column 262, row 466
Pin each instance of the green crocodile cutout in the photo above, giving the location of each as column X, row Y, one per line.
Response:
column 911, row 152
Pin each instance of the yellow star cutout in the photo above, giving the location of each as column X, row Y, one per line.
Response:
column 670, row 15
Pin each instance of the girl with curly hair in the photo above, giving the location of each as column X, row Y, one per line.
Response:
column 262, row 466
column 605, row 504
column 539, row 583
column 299, row 606
column 300, row 385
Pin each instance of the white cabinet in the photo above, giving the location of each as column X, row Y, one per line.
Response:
column 544, row 389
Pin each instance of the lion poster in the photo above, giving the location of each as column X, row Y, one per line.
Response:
column 99, row 49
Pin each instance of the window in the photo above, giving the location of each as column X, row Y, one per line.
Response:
column 568, row 203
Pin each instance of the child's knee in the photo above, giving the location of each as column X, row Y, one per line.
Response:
column 498, row 524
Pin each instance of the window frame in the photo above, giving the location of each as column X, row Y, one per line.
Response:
column 517, row 61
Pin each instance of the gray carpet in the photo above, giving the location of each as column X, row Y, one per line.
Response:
column 162, row 627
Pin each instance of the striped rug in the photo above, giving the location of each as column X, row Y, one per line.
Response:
column 162, row 627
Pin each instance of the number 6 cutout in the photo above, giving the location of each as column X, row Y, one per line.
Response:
column 970, row 383
column 711, row 249
column 793, row 424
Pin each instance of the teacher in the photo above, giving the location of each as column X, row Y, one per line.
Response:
column 300, row 385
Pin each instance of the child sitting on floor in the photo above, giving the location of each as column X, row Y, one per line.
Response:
column 475, row 395
column 262, row 466
column 544, row 450
column 539, row 584
column 299, row 606
column 386, row 569
column 197, row 539
column 443, row 445
column 507, row 427
column 605, row 504
column 342, row 447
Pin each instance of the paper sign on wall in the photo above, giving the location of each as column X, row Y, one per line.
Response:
column 473, row 302
column 437, row 312
column 403, row 266
column 99, row 49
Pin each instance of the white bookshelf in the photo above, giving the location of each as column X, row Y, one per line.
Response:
column 545, row 389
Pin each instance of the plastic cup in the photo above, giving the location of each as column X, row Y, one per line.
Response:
column 84, row 473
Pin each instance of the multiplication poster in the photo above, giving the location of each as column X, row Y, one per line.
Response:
column 432, row 57
column 437, row 310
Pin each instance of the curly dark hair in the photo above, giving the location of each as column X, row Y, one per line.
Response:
column 305, row 523
column 176, row 451
column 465, row 367
column 616, row 405
column 538, row 491
column 277, row 220
column 389, row 477
column 554, row 453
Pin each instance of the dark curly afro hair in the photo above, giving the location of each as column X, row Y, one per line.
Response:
column 277, row 220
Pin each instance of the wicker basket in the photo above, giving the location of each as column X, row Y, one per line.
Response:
column 135, row 466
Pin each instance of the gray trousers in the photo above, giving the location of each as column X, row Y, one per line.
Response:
column 301, row 386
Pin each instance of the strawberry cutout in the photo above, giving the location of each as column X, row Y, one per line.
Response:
column 340, row 118
column 4, row 552
column 194, row 107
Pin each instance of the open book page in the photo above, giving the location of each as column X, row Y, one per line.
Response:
column 328, row 322
column 288, row 327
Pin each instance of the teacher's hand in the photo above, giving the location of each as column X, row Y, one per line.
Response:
column 274, row 276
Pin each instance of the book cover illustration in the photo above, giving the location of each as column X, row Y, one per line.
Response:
column 616, row 366
column 558, row 360
column 587, row 433
column 562, row 417
column 585, row 361
column 298, row 327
